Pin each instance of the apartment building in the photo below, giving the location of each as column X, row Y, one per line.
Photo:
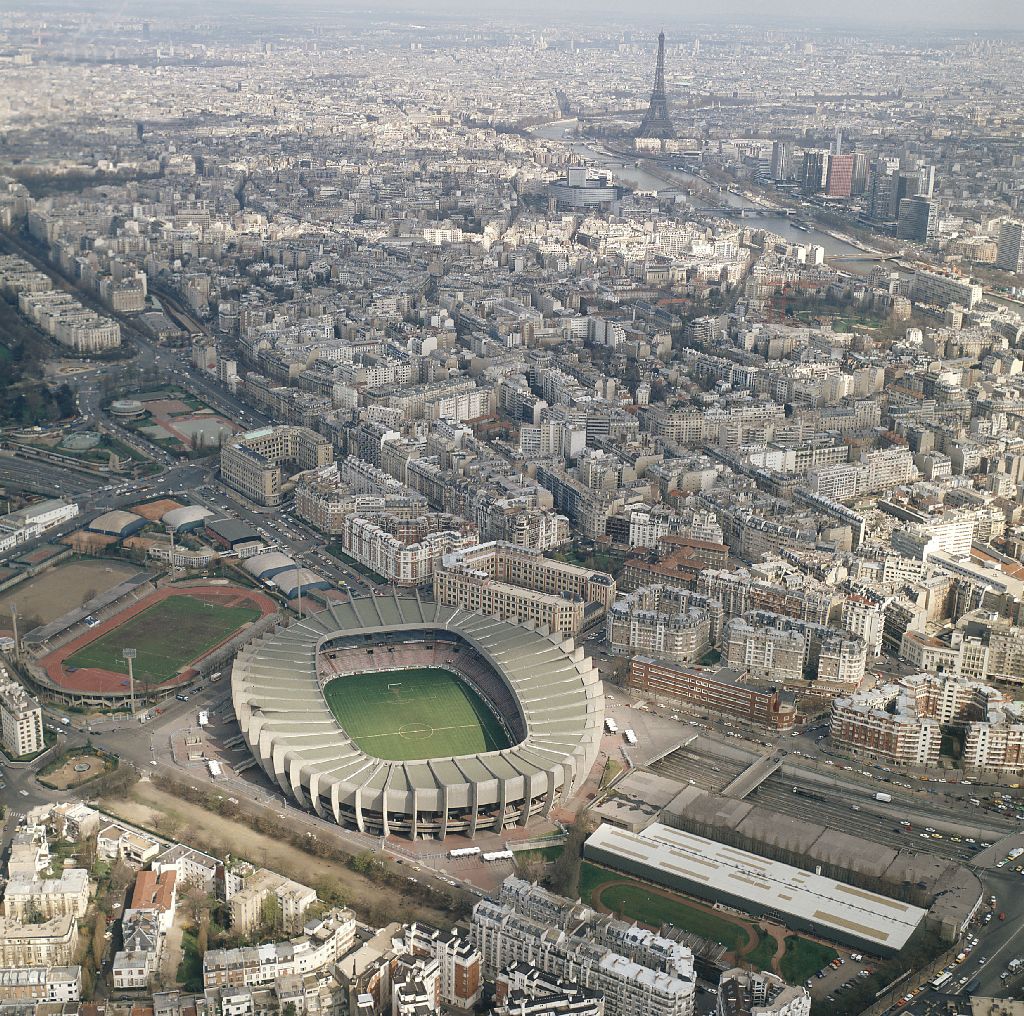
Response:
column 942, row 290
column 460, row 980
column 875, row 471
column 323, row 942
column 405, row 546
column 253, row 463
column 1010, row 246
column 40, row 984
column 525, row 990
column 637, row 972
column 777, row 590
column 664, row 621
column 21, row 720
column 776, row 647
column 49, row 944
column 721, row 692
column 903, row 722
column 759, row 993
column 980, row 647
column 33, row 899
column 247, row 887
column 521, row 584
column 115, row 841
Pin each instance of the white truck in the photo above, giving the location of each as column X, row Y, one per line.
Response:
column 884, row 798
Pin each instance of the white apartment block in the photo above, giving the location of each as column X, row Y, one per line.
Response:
column 950, row 534
column 323, row 942
column 405, row 547
column 875, row 471
column 40, row 984
column 664, row 622
column 638, row 972
column 522, row 569
column 21, row 720
column 752, row 993
column 902, row 723
column 50, row 944
column 251, row 463
column 864, row 619
column 32, row 899
column 942, row 290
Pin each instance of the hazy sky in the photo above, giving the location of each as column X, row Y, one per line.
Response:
column 983, row 15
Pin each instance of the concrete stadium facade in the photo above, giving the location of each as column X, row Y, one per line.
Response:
column 543, row 687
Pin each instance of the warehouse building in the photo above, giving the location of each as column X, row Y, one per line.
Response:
column 802, row 900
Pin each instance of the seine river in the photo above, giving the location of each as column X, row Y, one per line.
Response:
column 631, row 176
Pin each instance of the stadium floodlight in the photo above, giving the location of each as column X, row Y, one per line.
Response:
column 129, row 655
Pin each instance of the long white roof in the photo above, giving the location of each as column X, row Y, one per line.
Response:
column 831, row 905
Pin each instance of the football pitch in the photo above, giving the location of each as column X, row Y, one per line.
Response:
column 166, row 636
column 417, row 713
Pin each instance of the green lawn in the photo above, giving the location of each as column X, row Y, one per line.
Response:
column 804, row 958
column 761, row 956
column 638, row 902
column 167, row 636
column 544, row 854
column 414, row 713
column 190, row 969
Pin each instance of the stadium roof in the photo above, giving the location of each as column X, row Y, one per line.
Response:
column 116, row 522
column 671, row 857
column 266, row 566
column 187, row 515
column 284, row 716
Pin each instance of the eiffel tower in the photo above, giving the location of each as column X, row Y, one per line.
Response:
column 657, row 123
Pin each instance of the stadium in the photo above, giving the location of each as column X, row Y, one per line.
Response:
column 397, row 716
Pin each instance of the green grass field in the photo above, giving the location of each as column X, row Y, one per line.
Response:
column 804, row 958
column 638, row 902
column 412, row 714
column 167, row 635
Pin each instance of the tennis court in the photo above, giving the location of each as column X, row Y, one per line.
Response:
column 414, row 714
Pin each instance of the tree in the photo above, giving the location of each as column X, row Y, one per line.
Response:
column 271, row 912
column 197, row 901
column 203, row 937
column 121, row 875
column 99, row 942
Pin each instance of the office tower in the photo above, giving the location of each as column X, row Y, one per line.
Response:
column 837, row 142
column 782, row 158
column 859, row 178
column 1010, row 248
column 918, row 220
column 656, row 122
column 882, row 184
column 839, row 181
column 815, row 171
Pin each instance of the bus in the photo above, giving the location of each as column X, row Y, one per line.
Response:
column 497, row 855
column 942, row 980
column 464, row 852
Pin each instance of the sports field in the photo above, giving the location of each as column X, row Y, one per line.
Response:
column 168, row 635
column 414, row 714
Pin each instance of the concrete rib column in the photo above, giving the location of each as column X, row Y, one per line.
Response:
column 360, row 821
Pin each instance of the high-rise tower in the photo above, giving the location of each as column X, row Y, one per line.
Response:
column 656, row 122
